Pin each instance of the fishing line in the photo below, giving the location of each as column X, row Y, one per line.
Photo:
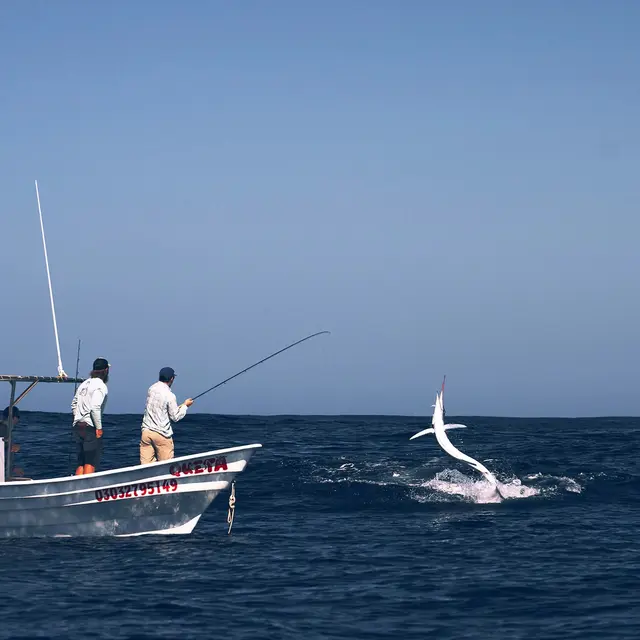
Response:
column 313, row 335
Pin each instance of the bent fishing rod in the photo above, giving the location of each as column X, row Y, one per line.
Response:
column 313, row 335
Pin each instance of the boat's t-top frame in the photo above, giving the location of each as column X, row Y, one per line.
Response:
column 13, row 401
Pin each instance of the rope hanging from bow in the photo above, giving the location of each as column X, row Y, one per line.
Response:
column 232, row 506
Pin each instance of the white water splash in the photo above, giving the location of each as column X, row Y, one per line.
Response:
column 449, row 483
column 553, row 484
column 453, row 482
column 445, row 486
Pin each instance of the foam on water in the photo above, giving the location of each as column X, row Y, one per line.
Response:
column 446, row 485
column 453, row 482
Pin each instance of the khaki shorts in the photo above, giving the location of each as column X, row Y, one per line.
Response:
column 154, row 447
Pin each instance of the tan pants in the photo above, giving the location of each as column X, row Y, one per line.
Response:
column 154, row 447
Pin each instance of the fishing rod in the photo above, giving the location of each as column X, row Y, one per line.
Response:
column 313, row 335
column 75, row 386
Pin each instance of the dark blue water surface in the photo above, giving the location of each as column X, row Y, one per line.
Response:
column 345, row 529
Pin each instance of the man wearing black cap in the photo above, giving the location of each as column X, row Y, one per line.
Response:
column 88, row 405
column 156, row 440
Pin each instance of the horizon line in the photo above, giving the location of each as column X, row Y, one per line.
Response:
column 368, row 415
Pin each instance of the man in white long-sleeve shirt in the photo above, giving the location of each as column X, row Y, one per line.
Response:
column 88, row 405
column 156, row 440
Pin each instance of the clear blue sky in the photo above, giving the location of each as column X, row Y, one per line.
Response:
column 448, row 187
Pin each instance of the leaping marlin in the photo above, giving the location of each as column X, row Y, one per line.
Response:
column 439, row 428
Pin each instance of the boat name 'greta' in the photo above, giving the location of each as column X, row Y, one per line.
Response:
column 199, row 466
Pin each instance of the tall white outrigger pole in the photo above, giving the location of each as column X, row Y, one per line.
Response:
column 61, row 372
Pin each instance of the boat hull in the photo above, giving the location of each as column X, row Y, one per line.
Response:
column 160, row 498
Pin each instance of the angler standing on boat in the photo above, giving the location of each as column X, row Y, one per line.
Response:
column 88, row 405
column 156, row 440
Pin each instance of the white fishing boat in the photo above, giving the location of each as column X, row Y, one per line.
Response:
column 166, row 497
column 159, row 498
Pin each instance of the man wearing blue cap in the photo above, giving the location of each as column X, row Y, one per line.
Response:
column 156, row 441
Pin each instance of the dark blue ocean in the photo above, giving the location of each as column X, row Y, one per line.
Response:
column 346, row 529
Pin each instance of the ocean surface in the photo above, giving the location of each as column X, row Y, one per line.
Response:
column 346, row 529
